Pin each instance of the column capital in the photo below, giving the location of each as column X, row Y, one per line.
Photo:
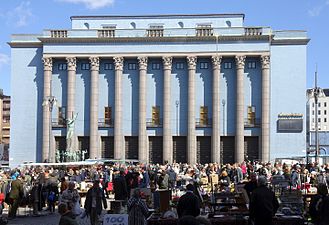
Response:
column 48, row 63
column 71, row 63
column 167, row 62
column 265, row 60
column 94, row 62
column 142, row 61
column 118, row 62
column 240, row 61
column 216, row 61
column 191, row 61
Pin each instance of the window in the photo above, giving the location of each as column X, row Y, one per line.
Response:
column 203, row 115
column 227, row 65
column 251, row 115
column 325, row 112
column 325, row 104
column 319, row 112
column 107, row 115
column 179, row 65
column 312, row 112
column 203, row 65
column 62, row 66
column 85, row 66
column 252, row 65
column 108, row 66
column 319, row 120
column 325, row 120
column 312, row 120
column 61, row 115
column 155, row 66
column 319, row 104
column 156, row 115
column 131, row 66
column 313, row 104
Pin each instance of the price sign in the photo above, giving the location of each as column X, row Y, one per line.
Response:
column 115, row 219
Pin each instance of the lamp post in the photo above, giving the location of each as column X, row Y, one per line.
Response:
column 50, row 101
column 223, row 103
column 316, row 92
column 177, row 105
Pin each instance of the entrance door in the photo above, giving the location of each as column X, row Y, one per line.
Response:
column 156, row 149
column 227, row 146
column 251, row 147
column 203, row 149
column 107, row 147
column 180, row 149
column 131, row 147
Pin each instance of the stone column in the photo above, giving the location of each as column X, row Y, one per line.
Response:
column 48, row 65
column 265, row 139
column 119, row 150
column 167, row 138
column 239, row 137
column 191, row 138
column 70, row 111
column 215, row 139
column 143, row 155
column 94, row 150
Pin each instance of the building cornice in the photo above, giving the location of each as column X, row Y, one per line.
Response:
column 290, row 42
column 25, row 44
column 155, row 39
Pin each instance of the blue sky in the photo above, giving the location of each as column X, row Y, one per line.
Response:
column 32, row 16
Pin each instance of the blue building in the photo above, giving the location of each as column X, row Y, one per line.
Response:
column 163, row 88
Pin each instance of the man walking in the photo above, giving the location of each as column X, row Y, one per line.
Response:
column 93, row 204
column 15, row 195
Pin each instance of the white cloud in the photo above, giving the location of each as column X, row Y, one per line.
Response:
column 4, row 59
column 316, row 10
column 91, row 4
column 21, row 15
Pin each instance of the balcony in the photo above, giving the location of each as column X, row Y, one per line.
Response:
column 199, row 123
column 58, row 33
column 58, row 123
column 153, row 123
column 204, row 31
column 252, row 124
column 154, row 32
column 105, row 122
column 108, row 33
column 253, row 31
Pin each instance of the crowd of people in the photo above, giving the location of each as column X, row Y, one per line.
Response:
column 43, row 187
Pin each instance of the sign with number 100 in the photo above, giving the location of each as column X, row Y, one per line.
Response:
column 115, row 219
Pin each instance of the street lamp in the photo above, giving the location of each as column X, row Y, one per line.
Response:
column 177, row 105
column 316, row 92
column 223, row 103
column 50, row 101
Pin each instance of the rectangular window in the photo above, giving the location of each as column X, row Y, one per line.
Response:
column 131, row 66
column 325, row 120
column 156, row 115
column 155, row 66
column 179, row 65
column 319, row 120
column 62, row 66
column 204, row 115
column 85, row 66
column 313, row 104
column 325, row 112
column 319, row 112
column 203, row 65
column 325, row 104
column 227, row 65
column 319, row 104
column 252, row 65
column 61, row 115
column 313, row 120
column 312, row 112
column 108, row 66
column 107, row 115
column 251, row 115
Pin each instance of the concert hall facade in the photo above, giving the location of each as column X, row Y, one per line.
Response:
column 159, row 88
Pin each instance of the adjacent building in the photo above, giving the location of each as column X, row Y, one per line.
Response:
column 322, row 111
column 4, row 127
column 162, row 88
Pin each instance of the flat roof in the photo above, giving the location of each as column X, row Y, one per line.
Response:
column 159, row 16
